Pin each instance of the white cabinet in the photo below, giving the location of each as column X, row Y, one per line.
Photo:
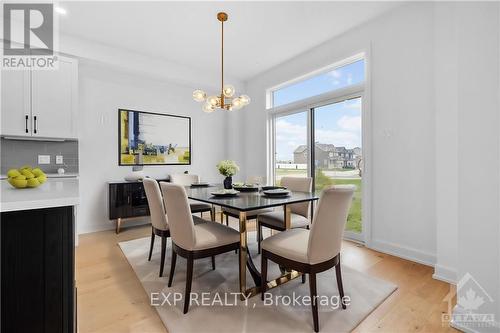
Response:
column 16, row 113
column 49, row 98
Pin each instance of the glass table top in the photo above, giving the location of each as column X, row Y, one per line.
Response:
column 246, row 201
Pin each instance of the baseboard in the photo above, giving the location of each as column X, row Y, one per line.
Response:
column 445, row 274
column 467, row 329
column 404, row 252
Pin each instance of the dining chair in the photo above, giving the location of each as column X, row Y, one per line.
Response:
column 315, row 250
column 186, row 180
column 159, row 222
column 299, row 212
column 252, row 214
column 193, row 241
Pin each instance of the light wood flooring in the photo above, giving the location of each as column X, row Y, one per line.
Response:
column 111, row 298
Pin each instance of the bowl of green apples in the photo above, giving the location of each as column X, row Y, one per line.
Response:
column 26, row 177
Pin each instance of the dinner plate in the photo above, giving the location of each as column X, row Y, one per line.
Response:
column 246, row 188
column 278, row 192
column 225, row 193
column 200, row 184
column 271, row 187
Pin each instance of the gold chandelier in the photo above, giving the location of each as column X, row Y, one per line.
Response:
column 225, row 100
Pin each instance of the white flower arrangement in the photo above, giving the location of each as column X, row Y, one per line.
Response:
column 228, row 168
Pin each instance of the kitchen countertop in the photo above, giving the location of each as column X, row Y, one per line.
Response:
column 56, row 192
column 53, row 175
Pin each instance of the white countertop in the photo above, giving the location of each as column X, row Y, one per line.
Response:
column 53, row 175
column 56, row 192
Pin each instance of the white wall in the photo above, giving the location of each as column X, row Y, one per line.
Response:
column 402, row 105
column 102, row 92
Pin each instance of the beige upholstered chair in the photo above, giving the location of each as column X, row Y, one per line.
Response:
column 300, row 211
column 159, row 223
column 190, row 240
column 252, row 214
column 185, row 179
column 315, row 250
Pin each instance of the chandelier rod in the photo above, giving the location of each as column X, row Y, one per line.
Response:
column 222, row 65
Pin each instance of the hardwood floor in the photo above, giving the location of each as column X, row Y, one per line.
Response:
column 111, row 298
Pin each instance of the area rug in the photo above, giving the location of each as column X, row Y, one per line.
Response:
column 216, row 307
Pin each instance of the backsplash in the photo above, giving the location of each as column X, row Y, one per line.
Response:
column 16, row 153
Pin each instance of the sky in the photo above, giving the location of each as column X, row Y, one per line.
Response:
column 338, row 124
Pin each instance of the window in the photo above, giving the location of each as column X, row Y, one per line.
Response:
column 322, row 139
column 337, row 78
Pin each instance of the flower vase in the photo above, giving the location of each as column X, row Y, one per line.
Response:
column 228, row 183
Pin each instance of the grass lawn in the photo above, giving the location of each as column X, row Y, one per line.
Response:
column 354, row 218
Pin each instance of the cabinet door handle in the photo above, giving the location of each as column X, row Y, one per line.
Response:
column 34, row 122
column 26, row 126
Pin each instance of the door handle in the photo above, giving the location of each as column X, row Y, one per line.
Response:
column 34, row 122
column 26, row 126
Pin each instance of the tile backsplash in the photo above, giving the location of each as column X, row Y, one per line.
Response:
column 16, row 153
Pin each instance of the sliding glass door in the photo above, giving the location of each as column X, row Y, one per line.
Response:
column 338, row 155
column 291, row 152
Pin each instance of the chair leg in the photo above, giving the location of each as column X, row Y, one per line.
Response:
column 211, row 215
column 152, row 244
column 163, row 248
column 338, row 273
column 314, row 300
column 227, row 219
column 263, row 275
column 213, row 263
column 303, row 277
column 172, row 268
column 189, row 280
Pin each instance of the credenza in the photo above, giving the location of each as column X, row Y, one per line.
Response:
column 127, row 199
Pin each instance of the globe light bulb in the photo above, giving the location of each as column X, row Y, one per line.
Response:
column 199, row 95
column 207, row 107
column 213, row 100
column 236, row 103
column 245, row 100
column 228, row 90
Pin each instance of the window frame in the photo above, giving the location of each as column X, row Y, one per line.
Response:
column 360, row 90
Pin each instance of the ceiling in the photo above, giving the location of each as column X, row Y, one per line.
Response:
column 258, row 35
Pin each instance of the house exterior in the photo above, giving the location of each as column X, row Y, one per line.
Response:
column 328, row 156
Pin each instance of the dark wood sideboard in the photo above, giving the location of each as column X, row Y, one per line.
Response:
column 127, row 199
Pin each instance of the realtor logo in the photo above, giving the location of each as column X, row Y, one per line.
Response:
column 30, row 26
column 468, row 312
column 29, row 38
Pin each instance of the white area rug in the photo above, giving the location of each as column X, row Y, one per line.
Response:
column 213, row 287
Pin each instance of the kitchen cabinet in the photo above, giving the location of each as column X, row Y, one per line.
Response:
column 16, row 112
column 41, row 103
column 38, row 271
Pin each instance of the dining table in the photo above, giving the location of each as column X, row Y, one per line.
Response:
column 244, row 202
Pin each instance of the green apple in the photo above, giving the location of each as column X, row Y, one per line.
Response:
column 13, row 173
column 20, row 177
column 37, row 172
column 33, row 182
column 18, row 182
column 27, row 173
column 42, row 178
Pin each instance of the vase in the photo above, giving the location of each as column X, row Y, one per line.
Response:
column 228, row 182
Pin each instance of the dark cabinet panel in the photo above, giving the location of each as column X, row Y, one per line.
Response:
column 37, row 276
column 127, row 199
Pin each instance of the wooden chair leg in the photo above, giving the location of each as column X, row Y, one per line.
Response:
column 227, row 219
column 213, row 263
column 163, row 248
column 303, row 277
column 189, row 280
column 338, row 273
column 152, row 244
column 211, row 215
column 314, row 300
column 263, row 275
column 172, row 268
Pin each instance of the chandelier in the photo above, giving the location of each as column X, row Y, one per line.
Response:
column 224, row 101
